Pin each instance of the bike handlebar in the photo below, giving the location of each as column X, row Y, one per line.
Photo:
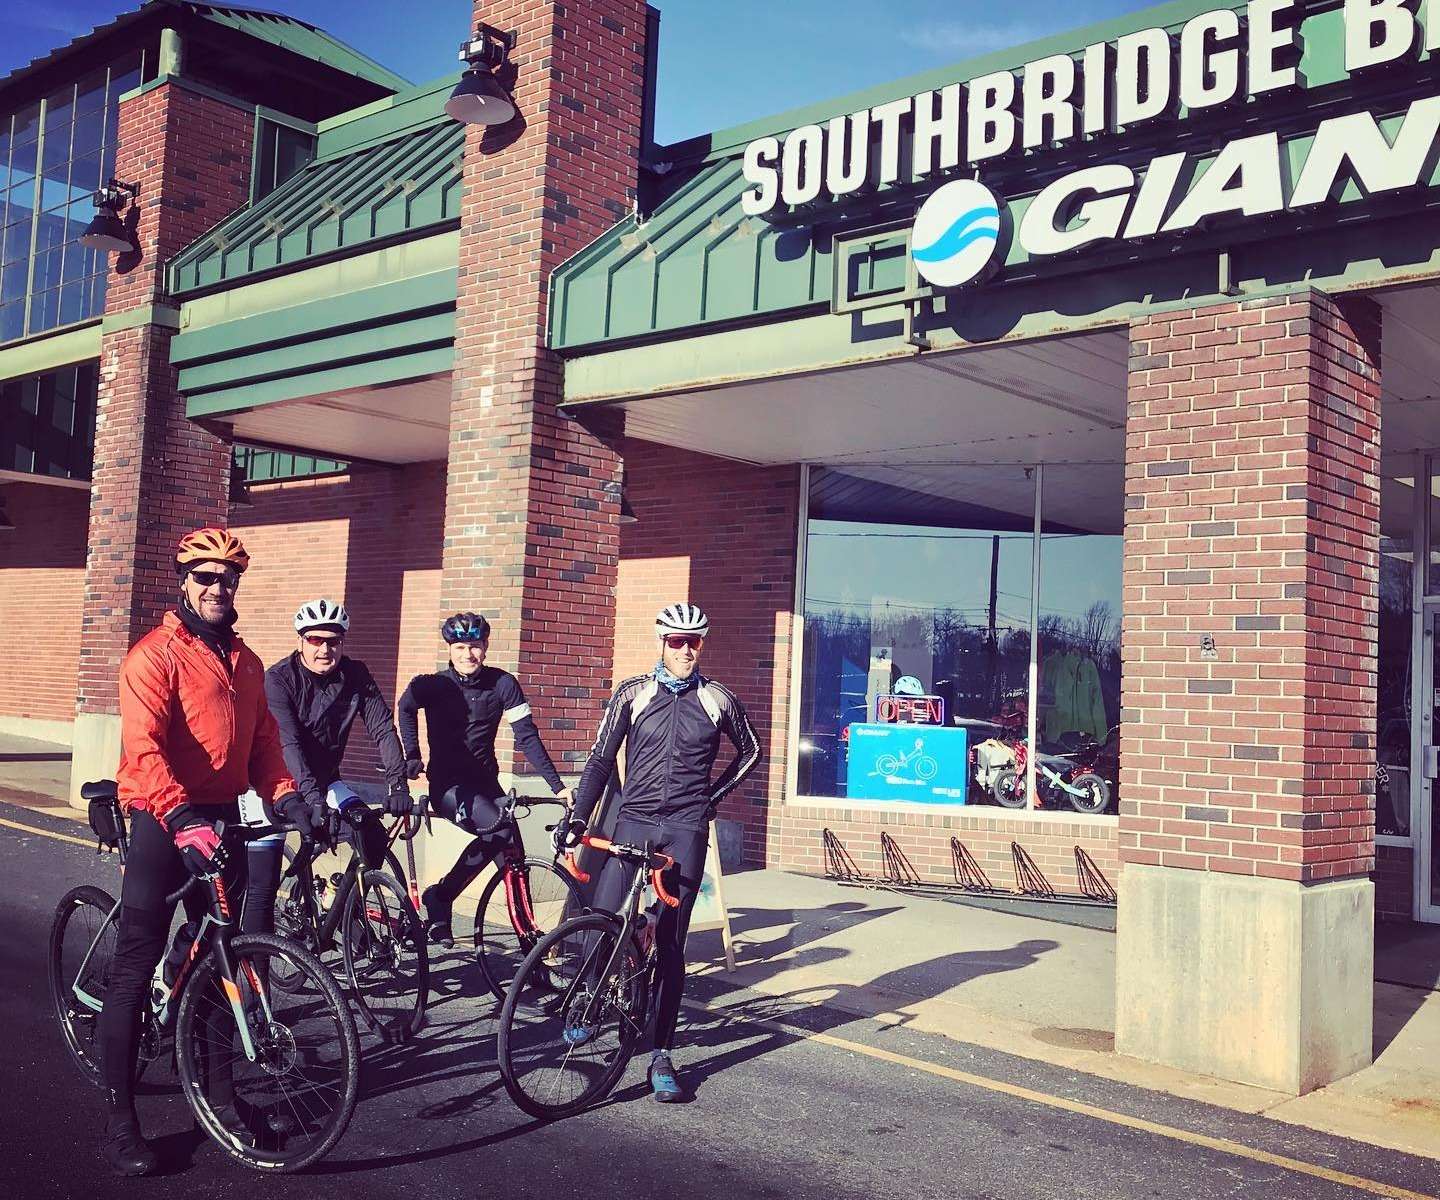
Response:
column 630, row 854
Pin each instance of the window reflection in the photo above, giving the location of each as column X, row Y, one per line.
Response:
column 53, row 157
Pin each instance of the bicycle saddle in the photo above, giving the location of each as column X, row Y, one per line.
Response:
column 98, row 789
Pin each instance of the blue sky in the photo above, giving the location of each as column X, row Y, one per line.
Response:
column 720, row 63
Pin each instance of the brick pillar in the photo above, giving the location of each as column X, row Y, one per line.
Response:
column 1247, row 752
column 156, row 474
column 532, row 502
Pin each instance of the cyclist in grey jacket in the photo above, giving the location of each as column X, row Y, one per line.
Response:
column 670, row 722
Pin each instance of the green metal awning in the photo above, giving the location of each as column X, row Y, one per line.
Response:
column 404, row 187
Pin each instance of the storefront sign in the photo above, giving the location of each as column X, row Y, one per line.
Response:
column 910, row 710
column 1221, row 57
column 901, row 762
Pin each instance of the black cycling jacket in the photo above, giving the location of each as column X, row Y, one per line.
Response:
column 671, row 742
column 462, row 716
column 315, row 713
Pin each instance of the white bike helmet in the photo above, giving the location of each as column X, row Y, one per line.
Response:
column 908, row 685
column 322, row 614
column 681, row 618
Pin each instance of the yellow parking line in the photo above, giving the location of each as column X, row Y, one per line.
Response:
column 1222, row 1145
column 59, row 837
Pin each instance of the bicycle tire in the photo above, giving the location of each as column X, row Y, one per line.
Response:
column 1097, row 789
column 499, row 947
column 374, row 934
column 926, row 768
column 1009, row 788
column 540, row 987
column 81, row 1029
column 281, row 1047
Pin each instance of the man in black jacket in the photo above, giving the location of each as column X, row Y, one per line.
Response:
column 315, row 695
column 670, row 722
column 464, row 705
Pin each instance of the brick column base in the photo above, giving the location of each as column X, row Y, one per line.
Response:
column 1252, row 530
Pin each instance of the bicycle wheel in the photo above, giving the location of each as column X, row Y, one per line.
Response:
column 385, row 956
column 544, row 895
column 287, row 1108
column 569, row 1025
column 1095, row 793
column 82, row 949
column 1009, row 788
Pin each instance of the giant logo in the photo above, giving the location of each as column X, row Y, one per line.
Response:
column 956, row 233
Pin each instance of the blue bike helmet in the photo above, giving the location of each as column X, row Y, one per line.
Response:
column 465, row 627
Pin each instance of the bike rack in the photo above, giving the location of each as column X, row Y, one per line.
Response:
column 1029, row 879
column 838, row 863
column 970, row 878
column 1092, row 880
column 899, row 870
column 969, row 875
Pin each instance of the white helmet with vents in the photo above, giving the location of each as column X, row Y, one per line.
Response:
column 681, row 618
column 322, row 614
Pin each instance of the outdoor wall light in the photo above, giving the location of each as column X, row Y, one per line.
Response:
column 106, row 232
column 479, row 98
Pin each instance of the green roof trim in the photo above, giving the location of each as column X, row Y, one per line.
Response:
column 287, row 33
column 302, row 38
column 389, row 175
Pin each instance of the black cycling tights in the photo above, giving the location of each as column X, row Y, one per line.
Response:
column 153, row 870
column 472, row 810
column 686, row 845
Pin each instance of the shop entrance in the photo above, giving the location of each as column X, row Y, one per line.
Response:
column 1428, row 864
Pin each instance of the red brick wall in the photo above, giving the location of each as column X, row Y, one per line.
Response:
column 532, row 505
column 156, row 474
column 722, row 535
column 42, row 583
column 1252, row 516
column 370, row 539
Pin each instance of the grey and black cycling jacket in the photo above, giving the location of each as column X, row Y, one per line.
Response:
column 671, row 741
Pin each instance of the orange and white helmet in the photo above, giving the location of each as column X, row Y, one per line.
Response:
column 211, row 545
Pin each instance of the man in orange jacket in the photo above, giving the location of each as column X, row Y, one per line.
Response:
column 195, row 732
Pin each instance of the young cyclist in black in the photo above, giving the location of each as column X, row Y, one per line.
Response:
column 463, row 706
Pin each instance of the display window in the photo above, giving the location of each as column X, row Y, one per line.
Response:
column 927, row 644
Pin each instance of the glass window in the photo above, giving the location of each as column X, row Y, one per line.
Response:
column 916, row 650
column 282, row 152
column 1433, row 585
column 1393, row 673
column 70, row 143
column 917, row 610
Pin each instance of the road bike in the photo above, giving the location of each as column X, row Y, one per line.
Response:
column 521, row 901
column 381, row 938
column 271, row 1075
column 581, row 998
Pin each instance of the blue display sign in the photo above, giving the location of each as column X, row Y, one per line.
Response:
column 924, row 764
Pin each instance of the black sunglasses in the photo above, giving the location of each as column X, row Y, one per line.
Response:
column 220, row 579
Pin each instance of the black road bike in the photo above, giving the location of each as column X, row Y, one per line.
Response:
column 368, row 912
column 581, row 998
column 271, row 1075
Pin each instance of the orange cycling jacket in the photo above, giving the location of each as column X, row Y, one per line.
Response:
column 189, row 732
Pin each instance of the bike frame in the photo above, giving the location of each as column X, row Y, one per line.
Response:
column 630, row 919
column 213, row 935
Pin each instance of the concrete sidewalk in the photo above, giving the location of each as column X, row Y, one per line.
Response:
column 1037, row 989
column 35, row 774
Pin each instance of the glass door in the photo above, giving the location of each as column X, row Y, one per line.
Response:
column 1428, row 858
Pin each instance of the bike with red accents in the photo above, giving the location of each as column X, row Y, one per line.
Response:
column 522, row 901
column 272, row 1076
